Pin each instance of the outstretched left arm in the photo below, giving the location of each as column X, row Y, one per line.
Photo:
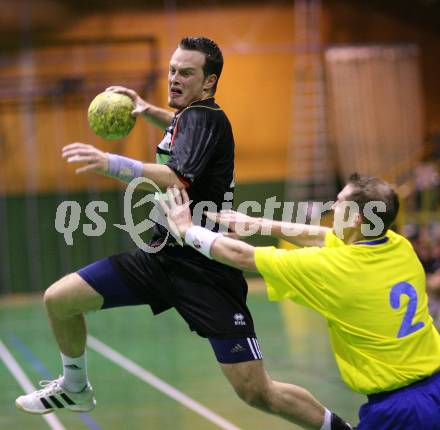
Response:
column 121, row 168
column 213, row 245
column 234, row 253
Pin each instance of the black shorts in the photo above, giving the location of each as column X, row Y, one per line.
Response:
column 210, row 296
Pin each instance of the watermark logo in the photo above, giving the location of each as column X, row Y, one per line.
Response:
column 156, row 216
column 306, row 222
column 68, row 215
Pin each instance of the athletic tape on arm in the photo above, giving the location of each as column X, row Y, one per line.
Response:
column 123, row 168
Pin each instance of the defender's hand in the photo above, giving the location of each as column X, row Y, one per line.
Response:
column 177, row 210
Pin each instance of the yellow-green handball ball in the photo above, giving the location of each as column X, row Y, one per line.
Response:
column 110, row 115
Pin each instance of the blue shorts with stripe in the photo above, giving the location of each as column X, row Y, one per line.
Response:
column 414, row 407
column 209, row 296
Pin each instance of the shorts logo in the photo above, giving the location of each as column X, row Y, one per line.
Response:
column 237, row 348
column 239, row 319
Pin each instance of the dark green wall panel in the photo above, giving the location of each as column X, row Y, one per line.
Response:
column 34, row 255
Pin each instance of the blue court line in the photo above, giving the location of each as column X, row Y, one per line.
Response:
column 43, row 371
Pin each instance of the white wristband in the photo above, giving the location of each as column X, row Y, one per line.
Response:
column 201, row 239
column 327, row 424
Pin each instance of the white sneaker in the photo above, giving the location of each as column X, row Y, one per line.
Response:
column 53, row 396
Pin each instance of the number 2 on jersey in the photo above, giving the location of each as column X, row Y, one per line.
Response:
column 398, row 290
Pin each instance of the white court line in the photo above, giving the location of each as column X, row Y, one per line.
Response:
column 25, row 383
column 158, row 383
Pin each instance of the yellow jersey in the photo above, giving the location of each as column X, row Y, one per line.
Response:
column 373, row 295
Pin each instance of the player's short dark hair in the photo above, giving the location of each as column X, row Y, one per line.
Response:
column 213, row 55
column 370, row 188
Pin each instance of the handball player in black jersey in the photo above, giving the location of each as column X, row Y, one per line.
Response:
column 196, row 153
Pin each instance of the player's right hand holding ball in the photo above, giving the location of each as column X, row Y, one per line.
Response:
column 140, row 105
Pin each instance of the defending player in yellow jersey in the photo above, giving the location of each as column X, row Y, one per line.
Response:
column 373, row 295
column 366, row 281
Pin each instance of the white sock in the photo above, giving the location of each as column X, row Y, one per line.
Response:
column 74, row 373
column 327, row 425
